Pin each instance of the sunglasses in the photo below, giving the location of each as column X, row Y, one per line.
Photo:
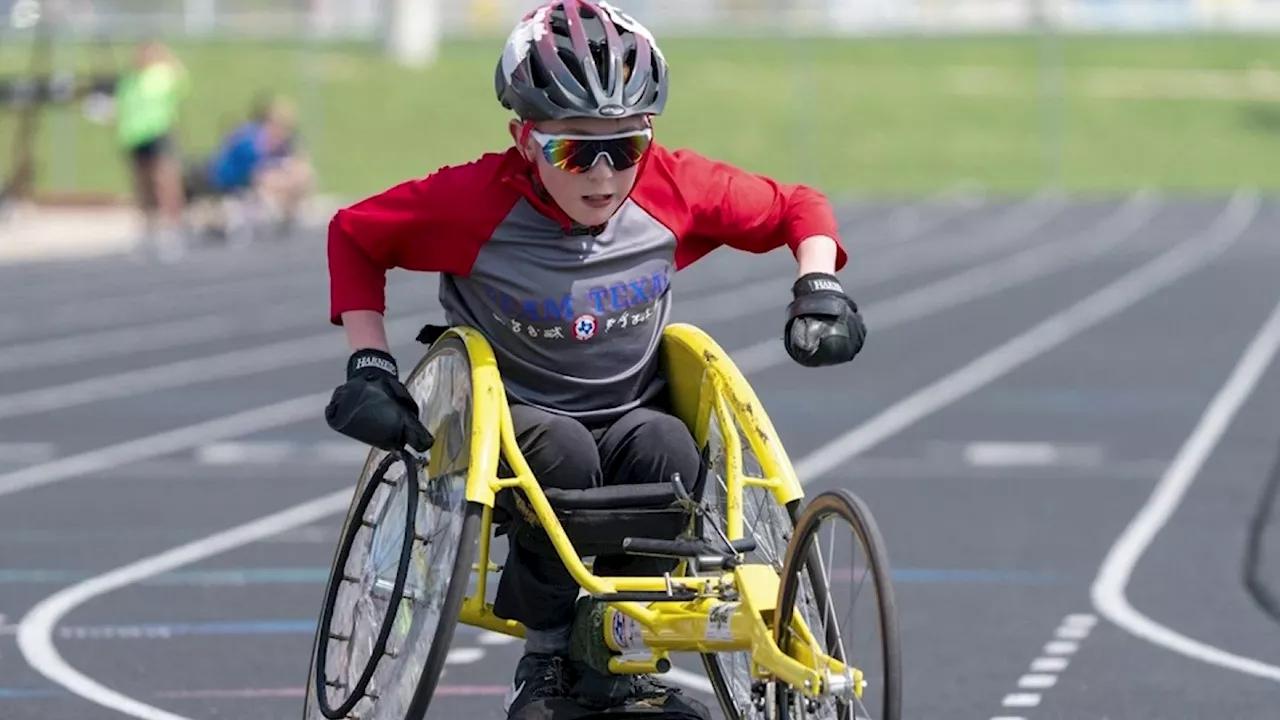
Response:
column 580, row 153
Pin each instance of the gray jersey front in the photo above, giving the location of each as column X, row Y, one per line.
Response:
column 575, row 321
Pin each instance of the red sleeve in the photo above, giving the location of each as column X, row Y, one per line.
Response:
column 709, row 203
column 433, row 224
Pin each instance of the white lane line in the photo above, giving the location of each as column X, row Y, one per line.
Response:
column 154, row 304
column 984, row 280
column 322, row 346
column 401, row 292
column 897, row 262
column 174, row 333
column 36, row 628
column 153, row 446
column 1108, row 302
column 912, row 221
column 235, row 453
column 1046, row 670
column 1110, row 585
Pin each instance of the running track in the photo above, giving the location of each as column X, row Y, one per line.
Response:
column 1064, row 420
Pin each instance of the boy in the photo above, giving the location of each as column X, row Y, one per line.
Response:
column 560, row 250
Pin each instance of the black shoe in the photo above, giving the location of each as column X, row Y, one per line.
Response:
column 537, row 677
column 600, row 691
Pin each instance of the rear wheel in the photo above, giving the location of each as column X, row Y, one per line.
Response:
column 403, row 563
column 821, row 572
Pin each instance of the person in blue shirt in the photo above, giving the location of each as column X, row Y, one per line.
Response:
column 262, row 156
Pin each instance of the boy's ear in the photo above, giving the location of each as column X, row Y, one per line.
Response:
column 514, row 127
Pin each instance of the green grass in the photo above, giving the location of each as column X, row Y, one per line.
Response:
column 852, row 116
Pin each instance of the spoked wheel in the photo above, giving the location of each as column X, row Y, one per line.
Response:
column 402, row 565
column 771, row 526
column 825, row 581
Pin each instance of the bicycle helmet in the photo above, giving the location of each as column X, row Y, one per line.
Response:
column 577, row 58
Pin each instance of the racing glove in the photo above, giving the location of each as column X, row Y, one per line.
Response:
column 374, row 407
column 823, row 327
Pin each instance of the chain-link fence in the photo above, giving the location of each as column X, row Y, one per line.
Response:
column 857, row 96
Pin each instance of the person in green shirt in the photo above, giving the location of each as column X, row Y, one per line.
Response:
column 147, row 101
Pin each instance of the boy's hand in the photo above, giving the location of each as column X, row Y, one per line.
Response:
column 824, row 327
column 374, row 407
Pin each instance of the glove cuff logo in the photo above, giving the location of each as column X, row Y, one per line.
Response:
column 382, row 364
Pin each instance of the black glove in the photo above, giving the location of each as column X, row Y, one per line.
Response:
column 374, row 407
column 823, row 327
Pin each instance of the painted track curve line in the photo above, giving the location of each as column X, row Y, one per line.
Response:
column 1108, row 591
column 35, row 631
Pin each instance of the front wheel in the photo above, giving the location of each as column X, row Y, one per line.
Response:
column 403, row 563
column 814, row 570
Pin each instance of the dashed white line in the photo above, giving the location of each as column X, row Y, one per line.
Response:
column 1049, row 664
column 1021, row 700
column 1061, row 647
column 1073, row 633
column 1046, row 670
column 1038, row 681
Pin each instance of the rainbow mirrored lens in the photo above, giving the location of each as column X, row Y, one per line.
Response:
column 579, row 153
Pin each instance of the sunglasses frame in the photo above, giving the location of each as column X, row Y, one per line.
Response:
column 545, row 139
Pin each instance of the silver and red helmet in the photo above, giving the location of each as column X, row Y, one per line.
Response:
column 576, row 59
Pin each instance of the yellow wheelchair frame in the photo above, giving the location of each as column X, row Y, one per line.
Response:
column 702, row 377
column 679, row 611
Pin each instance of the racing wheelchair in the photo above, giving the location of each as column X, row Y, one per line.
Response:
column 753, row 593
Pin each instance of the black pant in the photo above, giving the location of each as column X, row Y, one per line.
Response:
column 644, row 445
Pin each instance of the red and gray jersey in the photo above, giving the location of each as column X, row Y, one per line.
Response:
column 574, row 316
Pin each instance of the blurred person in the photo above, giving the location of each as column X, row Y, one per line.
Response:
column 262, row 157
column 146, row 108
column 560, row 250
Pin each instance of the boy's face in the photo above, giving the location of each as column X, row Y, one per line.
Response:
column 592, row 196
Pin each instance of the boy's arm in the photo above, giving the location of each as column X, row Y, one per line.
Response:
column 750, row 212
column 725, row 205
column 433, row 224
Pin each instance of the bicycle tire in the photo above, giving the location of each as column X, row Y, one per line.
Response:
column 848, row 507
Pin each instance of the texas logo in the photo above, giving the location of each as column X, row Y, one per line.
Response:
column 584, row 327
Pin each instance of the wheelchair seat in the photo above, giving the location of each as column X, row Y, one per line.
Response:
column 613, row 497
column 598, row 520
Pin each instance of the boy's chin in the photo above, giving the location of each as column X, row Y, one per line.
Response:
column 594, row 210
